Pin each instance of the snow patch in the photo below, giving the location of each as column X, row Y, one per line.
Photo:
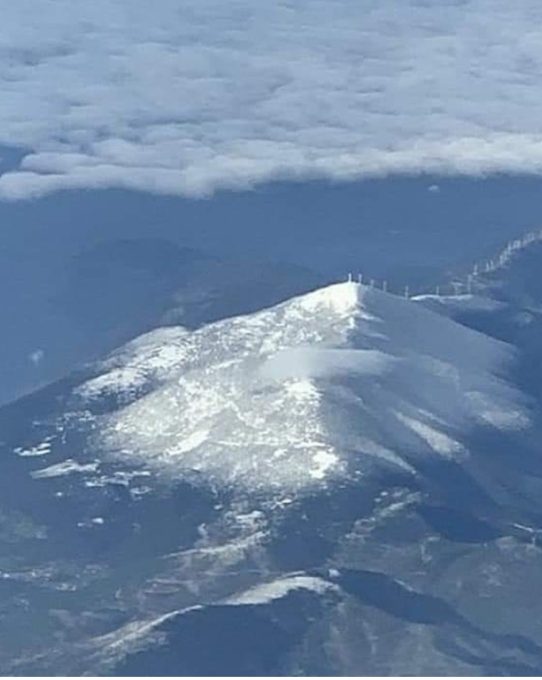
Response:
column 323, row 461
column 438, row 441
column 453, row 304
column 41, row 449
column 67, row 467
column 494, row 411
column 275, row 590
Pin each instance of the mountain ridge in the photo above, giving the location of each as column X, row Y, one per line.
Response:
column 346, row 435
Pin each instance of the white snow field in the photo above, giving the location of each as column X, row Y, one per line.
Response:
column 314, row 390
column 263, row 593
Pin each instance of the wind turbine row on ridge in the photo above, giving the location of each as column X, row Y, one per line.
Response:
column 373, row 283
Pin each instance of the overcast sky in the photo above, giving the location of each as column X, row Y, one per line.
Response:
column 186, row 96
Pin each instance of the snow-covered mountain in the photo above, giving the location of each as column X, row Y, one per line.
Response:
column 347, row 482
column 316, row 389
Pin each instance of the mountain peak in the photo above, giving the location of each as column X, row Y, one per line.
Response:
column 344, row 297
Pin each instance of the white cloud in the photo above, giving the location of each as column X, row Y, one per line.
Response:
column 304, row 363
column 187, row 97
column 36, row 357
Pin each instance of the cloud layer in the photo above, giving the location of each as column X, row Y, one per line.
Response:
column 187, row 97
